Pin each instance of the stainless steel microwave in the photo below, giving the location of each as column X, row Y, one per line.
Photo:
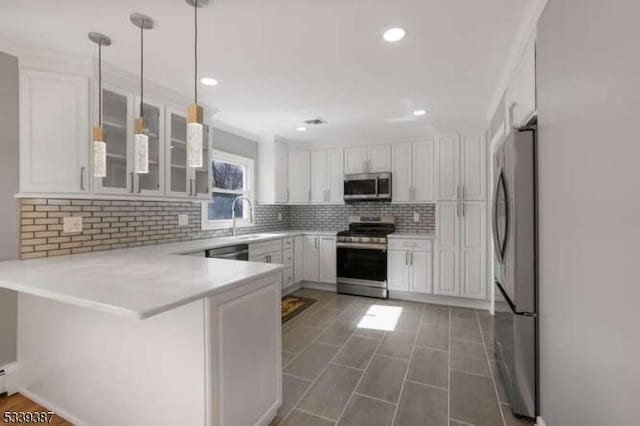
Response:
column 367, row 186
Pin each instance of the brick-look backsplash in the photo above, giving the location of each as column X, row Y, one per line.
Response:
column 111, row 224
column 336, row 217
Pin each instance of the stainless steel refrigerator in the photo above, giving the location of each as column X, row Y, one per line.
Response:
column 515, row 268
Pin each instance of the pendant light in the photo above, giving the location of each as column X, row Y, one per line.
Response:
column 195, row 113
column 141, row 140
column 99, row 147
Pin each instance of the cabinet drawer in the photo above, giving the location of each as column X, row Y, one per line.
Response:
column 287, row 277
column 265, row 247
column 410, row 244
column 287, row 243
column 287, row 257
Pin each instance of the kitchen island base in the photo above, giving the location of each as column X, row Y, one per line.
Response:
column 212, row 362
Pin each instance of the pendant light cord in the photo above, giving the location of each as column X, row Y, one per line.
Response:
column 141, row 70
column 100, row 84
column 195, row 79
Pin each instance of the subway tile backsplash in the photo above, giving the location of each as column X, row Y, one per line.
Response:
column 112, row 224
column 336, row 217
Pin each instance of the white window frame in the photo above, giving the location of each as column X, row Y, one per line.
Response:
column 249, row 167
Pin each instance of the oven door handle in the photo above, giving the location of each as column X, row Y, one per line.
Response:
column 363, row 246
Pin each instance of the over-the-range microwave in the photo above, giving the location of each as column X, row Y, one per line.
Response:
column 367, row 186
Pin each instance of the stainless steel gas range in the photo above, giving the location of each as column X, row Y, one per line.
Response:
column 362, row 256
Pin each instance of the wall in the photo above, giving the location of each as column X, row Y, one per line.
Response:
column 588, row 103
column 336, row 217
column 8, row 205
column 112, row 224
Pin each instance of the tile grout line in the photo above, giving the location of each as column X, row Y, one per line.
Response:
column 374, row 398
column 493, row 380
column 406, row 373
column 462, row 422
column 313, row 414
column 425, row 384
column 355, row 388
column 296, row 404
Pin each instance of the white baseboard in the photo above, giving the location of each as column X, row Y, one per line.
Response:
column 52, row 407
column 319, row 286
column 291, row 289
column 441, row 300
column 540, row 422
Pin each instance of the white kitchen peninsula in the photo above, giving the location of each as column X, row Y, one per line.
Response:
column 145, row 336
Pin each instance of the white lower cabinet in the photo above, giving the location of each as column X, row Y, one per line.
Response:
column 409, row 265
column 320, row 259
column 461, row 250
column 298, row 258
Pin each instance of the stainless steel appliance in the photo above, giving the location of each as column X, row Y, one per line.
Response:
column 515, row 268
column 236, row 252
column 362, row 256
column 367, row 186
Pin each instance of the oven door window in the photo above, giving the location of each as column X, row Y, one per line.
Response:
column 362, row 264
column 360, row 187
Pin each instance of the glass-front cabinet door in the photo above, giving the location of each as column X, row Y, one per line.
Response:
column 117, row 113
column 184, row 181
column 152, row 183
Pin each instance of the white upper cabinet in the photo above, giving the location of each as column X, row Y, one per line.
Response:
column 319, row 176
column 374, row 158
column 521, row 93
column 474, row 163
column 448, row 167
column 461, row 167
column 413, row 172
column 299, row 176
column 335, row 170
column 281, row 172
column 355, row 160
column 54, row 132
column 379, row 158
column 117, row 122
column 402, row 179
column 273, row 181
column 327, row 177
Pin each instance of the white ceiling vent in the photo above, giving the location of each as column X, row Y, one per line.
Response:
column 315, row 121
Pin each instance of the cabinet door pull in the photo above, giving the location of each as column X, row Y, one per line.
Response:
column 411, row 258
column 195, row 188
column 132, row 184
column 458, row 192
column 464, row 209
column 82, row 178
column 139, row 186
column 406, row 258
column 458, row 209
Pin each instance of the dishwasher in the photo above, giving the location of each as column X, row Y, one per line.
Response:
column 236, row 252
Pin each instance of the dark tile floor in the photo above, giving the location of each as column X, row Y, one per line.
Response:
column 366, row 362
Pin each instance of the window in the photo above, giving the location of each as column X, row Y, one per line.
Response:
column 232, row 177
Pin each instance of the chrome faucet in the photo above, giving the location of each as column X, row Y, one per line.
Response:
column 233, row 211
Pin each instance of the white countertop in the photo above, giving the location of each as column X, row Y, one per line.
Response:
column 138, row 282
column 416, row 236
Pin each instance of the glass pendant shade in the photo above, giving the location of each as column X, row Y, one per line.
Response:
column 141, row 149
column 99, row 153
column 194, row 136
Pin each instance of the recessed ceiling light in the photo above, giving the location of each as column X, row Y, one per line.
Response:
column 394, row 34
column 419, row 112
column 208, row 81
column 301, row 129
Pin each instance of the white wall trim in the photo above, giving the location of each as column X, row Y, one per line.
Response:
column 540, row 422
column 526, row 29
column 52, row 407
column 291, row 289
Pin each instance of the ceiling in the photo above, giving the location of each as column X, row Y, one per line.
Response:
column 281, row 62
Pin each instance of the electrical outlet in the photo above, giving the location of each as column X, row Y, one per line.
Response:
column 416, row 217
column 280, row 217
column 183, row 219
column 72, row 224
